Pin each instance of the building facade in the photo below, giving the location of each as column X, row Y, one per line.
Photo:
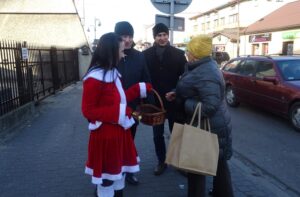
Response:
column 276, row 33
column 226, row 22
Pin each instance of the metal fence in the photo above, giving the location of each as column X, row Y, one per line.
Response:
column 29, row 73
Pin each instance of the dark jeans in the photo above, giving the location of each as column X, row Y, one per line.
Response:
column 222, row 186
column 159, row 140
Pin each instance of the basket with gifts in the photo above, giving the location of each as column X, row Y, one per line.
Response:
column 150, row 114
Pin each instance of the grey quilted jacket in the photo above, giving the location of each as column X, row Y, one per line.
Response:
column 203, row 82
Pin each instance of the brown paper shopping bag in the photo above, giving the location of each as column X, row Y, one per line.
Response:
column 172, row 157
column 194, row 149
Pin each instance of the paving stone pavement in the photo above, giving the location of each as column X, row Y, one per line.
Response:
column 46, row 156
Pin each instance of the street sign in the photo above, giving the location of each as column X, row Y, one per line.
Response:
column 178, row 22
column 171, row 7
column 24, row 52
column 165, row 5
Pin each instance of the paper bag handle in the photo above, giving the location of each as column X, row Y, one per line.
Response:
column 206, row 121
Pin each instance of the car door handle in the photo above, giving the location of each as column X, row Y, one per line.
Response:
column 253, row 80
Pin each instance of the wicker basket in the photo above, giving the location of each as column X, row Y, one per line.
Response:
column 150, row 114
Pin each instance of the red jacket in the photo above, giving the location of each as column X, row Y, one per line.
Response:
column 104, row 100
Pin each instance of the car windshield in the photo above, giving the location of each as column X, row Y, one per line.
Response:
column 290, row 69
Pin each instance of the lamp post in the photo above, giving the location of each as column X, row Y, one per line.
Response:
column 238, row 30
column 97, row 23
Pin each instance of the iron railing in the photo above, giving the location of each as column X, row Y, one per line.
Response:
column 33, row 73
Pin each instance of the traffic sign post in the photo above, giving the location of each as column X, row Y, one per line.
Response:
column 171, row 7
column 179, row 24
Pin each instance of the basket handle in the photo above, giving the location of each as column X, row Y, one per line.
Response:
column 159, row 99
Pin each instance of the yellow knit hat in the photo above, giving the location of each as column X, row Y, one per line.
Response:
column 200, row 46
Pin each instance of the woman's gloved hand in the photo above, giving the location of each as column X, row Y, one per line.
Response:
column 149, row 87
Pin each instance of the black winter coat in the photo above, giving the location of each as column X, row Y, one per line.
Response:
column 165, row 73
column 133, row 69
column 203, row 82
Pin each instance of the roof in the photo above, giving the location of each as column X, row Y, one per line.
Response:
column 42, row 23
column 230, row 3
column 231, row 33
column 286, row 17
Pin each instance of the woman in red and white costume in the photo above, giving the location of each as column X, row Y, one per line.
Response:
column 111, row 150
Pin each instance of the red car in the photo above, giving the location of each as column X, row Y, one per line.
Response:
column 268, row 82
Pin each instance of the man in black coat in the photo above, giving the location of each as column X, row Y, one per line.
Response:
column 165, row 64
column 133, row 70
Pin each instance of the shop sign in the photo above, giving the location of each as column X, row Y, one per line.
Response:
column 260, row 37
column 291, row 35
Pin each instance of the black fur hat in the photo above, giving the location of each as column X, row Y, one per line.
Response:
column 124, row 28
column 158, row 28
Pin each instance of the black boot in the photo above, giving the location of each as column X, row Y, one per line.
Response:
column 118, row 193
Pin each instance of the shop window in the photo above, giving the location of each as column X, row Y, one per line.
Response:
column 255, row 49
column 265, row 49
column 288, row 48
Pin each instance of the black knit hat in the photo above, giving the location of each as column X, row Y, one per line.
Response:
column 124, row 28
column 158, row 28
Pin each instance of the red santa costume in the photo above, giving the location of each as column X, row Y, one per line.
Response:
column 111, row 150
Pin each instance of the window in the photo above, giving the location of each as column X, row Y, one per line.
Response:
column 233, row 18
column 232, row 66
column 195, row 28
column 216, row 23
column 265, row 69
column 290, row 69
column 222, row 21
column 203, row 26
column 247, row 68
column 208, row 25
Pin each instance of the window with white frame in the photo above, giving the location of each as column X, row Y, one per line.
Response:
column 233, row 18
column 208, row 25
column 203, row 26
column 222, row 21
column 195, row 28
column 216, row 23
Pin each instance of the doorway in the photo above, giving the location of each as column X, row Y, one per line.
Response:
column 287, row 48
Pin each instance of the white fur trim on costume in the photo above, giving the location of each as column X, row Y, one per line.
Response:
column 124, row 121
column 105, row 191
column 122, row 114
column 112, row 177
column 143, row 90
column 94, row 126
column 119, row 184
column 110, row 76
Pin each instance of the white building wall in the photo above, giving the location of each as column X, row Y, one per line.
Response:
column 275, row 45
column 249, row 12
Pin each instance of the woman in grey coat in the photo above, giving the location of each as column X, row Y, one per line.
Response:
column 203, row 82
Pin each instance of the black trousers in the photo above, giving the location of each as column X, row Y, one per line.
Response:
column 159, row 139
column 222, row 186
column 133, row 130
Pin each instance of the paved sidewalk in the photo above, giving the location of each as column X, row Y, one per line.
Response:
column 46, row 157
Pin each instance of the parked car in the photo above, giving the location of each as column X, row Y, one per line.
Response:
column 268, row 82
column 220, row 57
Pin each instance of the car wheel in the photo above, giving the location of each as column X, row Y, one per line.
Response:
column 230, row 97
column 294, row 115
